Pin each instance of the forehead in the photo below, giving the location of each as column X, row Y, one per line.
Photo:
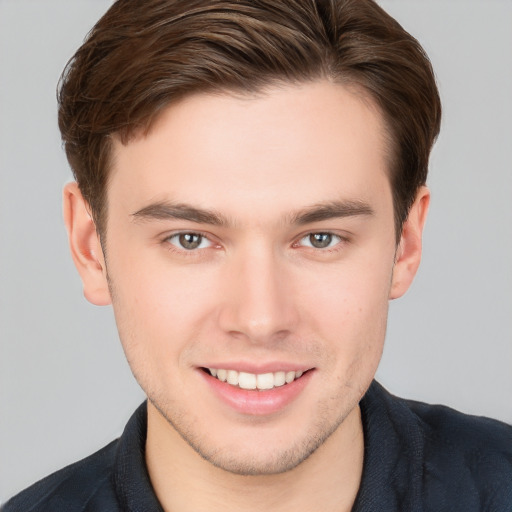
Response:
column 297, row 143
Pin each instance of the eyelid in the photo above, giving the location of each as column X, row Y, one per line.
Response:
column 334, row 238
column 343, row 238
column 168, row 236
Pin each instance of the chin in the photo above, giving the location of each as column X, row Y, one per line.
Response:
column 255, row 463
column 264, row 453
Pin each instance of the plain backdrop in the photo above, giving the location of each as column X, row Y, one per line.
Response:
column 65, row 388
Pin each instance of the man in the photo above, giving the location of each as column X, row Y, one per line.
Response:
column 250, row 195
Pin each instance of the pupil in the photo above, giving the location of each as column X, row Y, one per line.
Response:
column 320, row 240
column 190, row 240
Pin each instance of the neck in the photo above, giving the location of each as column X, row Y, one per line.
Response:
column 328, row 480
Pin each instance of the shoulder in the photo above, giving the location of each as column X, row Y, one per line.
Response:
column 464, row 456
column 458, row 430
column 84, row 485
column 440, row 458
column 470, row 439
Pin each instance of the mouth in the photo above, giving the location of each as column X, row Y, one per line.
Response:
column 258, row 394
column 255, row 381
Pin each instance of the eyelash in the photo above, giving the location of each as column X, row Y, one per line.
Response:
column 329, row 248
column 182, row 250
column 341, row 240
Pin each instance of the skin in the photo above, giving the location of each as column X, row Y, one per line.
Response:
column 256, row 291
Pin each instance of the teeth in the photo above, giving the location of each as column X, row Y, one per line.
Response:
column 279, row 378
column 265, row 381
column 246, row 380
column 255, row 381
column 232, row 377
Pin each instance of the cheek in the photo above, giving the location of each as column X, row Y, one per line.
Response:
column 157, row 312
column 349, row 309
column 352, row 294
column 152, row 326
column 154, row 289
column 165, row 316
column 359, row 342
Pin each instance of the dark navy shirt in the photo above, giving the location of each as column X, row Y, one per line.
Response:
column 418, row 457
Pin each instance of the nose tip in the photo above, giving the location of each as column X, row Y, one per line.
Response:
column 258, row 304
column 262, row 330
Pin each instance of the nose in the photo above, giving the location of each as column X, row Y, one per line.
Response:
column 258, row 303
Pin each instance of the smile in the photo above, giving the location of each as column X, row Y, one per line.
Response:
column 250, row 381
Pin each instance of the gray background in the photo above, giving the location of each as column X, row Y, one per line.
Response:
column 65, row 389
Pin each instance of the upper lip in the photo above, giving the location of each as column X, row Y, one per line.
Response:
column 259, row 368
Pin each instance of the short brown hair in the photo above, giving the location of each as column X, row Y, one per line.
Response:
column 142, row 55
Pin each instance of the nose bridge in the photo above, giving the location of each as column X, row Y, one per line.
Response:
column 258, row 304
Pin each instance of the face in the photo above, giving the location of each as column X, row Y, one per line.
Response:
column 251, row 239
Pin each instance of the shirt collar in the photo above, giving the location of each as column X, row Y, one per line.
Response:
column 393, row 454
column 131, row 478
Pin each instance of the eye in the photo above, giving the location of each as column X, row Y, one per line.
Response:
column 320, row 240
column 189, row 241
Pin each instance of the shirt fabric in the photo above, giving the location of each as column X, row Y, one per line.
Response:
column 417, row 458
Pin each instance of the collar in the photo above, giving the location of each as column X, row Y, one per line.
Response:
column 393, row 454
column 131, row 479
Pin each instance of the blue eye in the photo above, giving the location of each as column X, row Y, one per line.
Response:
column 189, row 241
column 320, row 240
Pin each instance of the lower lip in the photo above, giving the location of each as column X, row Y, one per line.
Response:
column 255, row 402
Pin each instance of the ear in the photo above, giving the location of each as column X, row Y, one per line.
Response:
column 84, row 243
column 408, row 254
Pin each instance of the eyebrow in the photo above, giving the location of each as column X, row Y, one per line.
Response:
column 167, row 210
column 332, row 210
column 322, row 211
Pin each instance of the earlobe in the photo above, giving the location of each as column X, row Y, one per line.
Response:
column 408, row 254
column 85, row 246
